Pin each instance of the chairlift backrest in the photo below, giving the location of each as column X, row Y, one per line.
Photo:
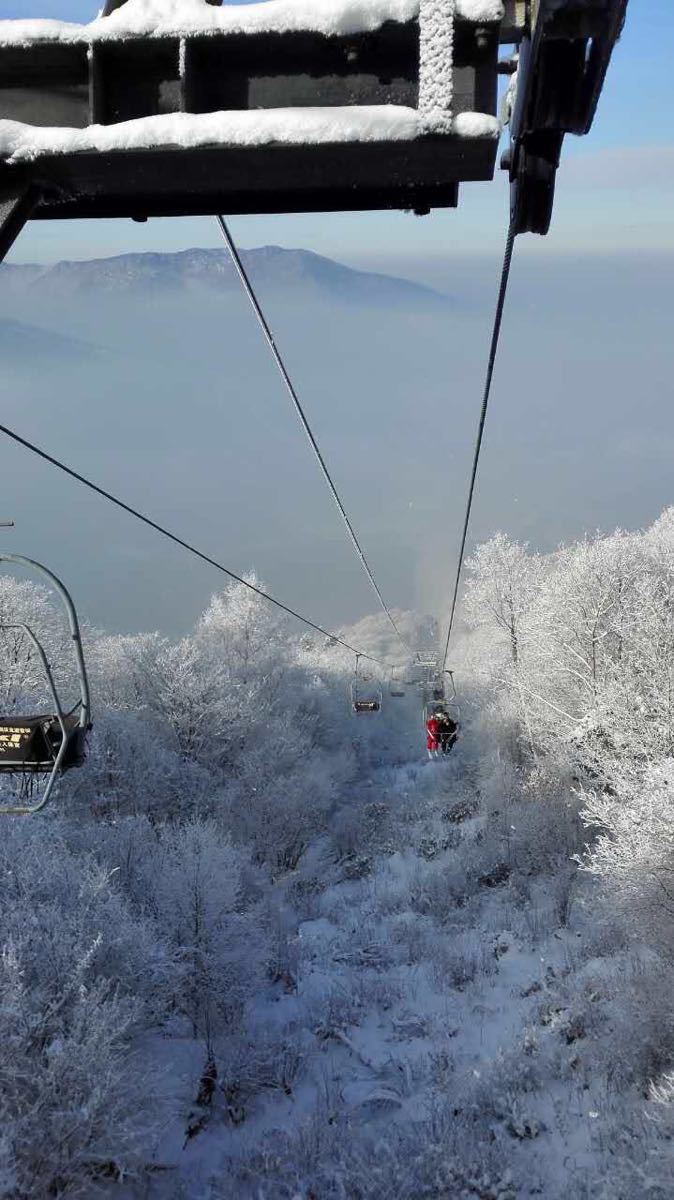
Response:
column 427, row 658
column 447, row 707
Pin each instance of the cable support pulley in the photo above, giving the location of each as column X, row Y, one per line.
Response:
column 299, row 409
column 495, row 336
column 173, row 537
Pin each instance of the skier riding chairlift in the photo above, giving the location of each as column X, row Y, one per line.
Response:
column 442, row 731
column 433, row 736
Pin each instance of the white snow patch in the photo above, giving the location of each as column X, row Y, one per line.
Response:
column 480, row 10
column 180, row 18
column 19, row 142
column 285, row 126
column 476, row 125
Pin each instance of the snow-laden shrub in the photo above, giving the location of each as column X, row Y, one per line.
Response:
column 279, row 814
column 77, row 972
column 69, row 1096
column 578, row 649
column 69, row 905
column 626, row 1001
column 633, row 847
column 134, row 766
column 461, row 958
column 264, row 1060
column 438, row 889
column 364, row 824
column 326, row 1158
column 192, row 884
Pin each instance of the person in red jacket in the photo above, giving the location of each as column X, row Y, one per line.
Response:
column 432, row 738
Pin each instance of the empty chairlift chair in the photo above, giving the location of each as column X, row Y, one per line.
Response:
column 396, row 687
column 35, row 745
column 366, row 694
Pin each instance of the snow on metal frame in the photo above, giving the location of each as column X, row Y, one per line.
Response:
column 180, row 18
column 23, row 143
column 284, row 126
column 436, row 48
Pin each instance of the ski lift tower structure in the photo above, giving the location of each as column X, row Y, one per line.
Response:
column 254, row 109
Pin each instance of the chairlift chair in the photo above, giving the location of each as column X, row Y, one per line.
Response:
column 396, row 687
column 45, row 743
column 365, row 696
column 449, row 705
column 433, row 708
column 427, row 658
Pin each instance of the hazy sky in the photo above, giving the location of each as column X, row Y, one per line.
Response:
column 580, row 435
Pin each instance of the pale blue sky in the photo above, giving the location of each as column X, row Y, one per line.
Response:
column 616, row 187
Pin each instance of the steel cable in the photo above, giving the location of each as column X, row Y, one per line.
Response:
column 173, row 537
column 257, row 309
column 496, row 332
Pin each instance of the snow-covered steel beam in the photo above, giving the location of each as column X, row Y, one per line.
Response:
column 185, row 107
column 179, row 107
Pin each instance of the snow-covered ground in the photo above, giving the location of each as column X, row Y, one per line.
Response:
column 442, row 1019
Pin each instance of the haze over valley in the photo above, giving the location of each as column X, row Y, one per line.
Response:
column 148, row 372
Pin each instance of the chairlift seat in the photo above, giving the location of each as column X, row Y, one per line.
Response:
column 366, row 706
column 31, row 744
column 45, row 743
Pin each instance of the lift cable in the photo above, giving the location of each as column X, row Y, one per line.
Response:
column 173, row 537
column 255, row 305
column 496, row 331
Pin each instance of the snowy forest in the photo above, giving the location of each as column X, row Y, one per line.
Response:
column 261, row 947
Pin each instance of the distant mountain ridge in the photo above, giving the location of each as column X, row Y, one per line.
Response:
column 296, row 272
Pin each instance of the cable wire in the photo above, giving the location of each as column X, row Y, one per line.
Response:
column 496, row 332
column 257, row 309
column 173, row 537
